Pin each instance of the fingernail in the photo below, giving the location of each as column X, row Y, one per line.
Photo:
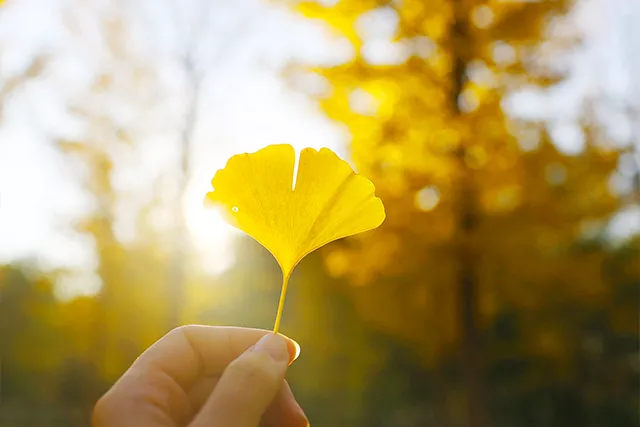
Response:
column 273, row 345
column 293, row 347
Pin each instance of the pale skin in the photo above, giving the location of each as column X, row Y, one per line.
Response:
column 199, row 376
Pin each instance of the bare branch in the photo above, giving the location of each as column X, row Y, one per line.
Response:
column 12, row 84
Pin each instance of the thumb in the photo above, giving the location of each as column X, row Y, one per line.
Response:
column 247, row 386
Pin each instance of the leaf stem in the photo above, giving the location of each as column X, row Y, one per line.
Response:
column 283, row 293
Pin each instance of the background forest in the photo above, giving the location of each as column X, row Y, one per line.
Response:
column 502, row 136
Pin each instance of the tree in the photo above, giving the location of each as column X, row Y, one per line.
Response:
column 131, row 307
column 48, row 371
column 482, row 209
column 22, row 293
column 197, row 58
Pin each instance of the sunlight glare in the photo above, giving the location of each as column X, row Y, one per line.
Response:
column 212, row 237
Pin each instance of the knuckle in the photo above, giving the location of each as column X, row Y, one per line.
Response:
column 254, row 370
column 181, row 330
column 181, row 333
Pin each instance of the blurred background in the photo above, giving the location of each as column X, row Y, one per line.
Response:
column 502, row 136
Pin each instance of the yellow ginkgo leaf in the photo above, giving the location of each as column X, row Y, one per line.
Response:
column 327, row 201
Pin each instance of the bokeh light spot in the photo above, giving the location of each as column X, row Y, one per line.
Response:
column 427, row 198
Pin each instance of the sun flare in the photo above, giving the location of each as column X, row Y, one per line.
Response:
column 212, row 237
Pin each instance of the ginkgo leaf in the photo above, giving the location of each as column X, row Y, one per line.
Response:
column 291, row 218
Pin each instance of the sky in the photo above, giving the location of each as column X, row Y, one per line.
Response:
column 243, row 104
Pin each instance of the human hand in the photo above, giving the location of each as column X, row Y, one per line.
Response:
column 199, row 376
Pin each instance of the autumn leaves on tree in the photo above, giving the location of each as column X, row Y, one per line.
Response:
column 482, row 208
column 486, row 289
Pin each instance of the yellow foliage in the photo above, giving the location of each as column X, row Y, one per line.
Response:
column 437, row 144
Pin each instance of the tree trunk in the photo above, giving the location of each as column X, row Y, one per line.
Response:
column 181, row 238
column 471, row 357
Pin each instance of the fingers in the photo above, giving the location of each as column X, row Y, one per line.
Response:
column 284, row 411
column 200, row 391
column 155, row 385
column 190, row 352
column 247, row 387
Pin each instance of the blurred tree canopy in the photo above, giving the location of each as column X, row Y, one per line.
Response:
column 485, row 215
column 492, row 295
